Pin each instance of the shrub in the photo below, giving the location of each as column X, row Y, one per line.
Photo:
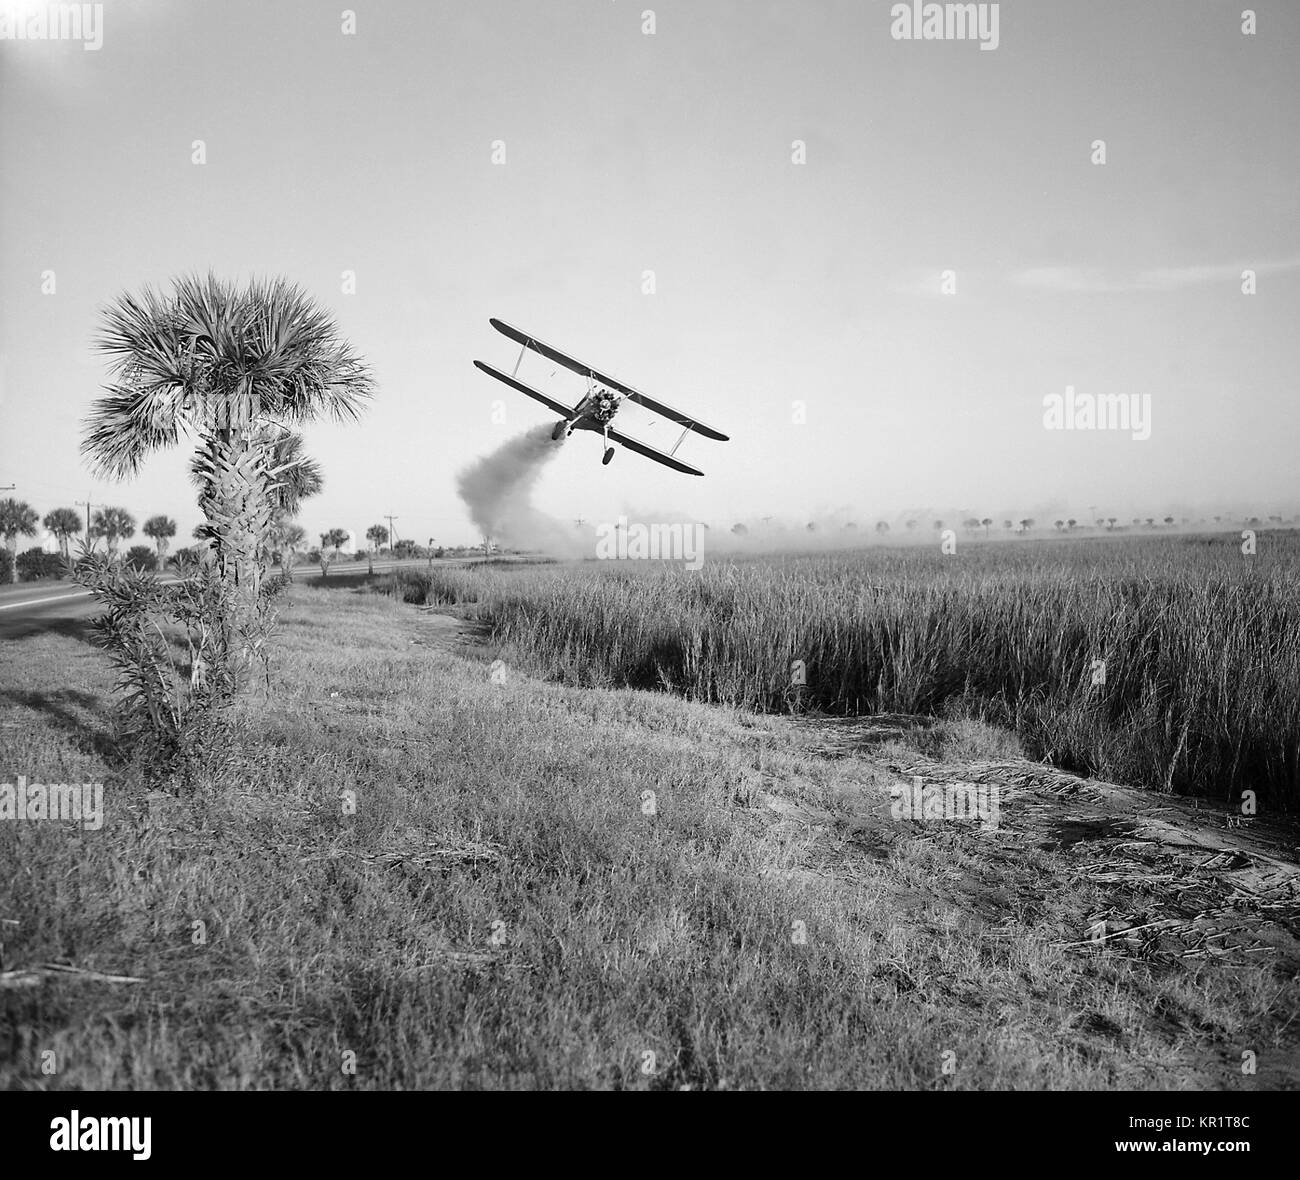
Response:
column 178, row 712
column 142, row 557
column 440, row 587
column 36, row 563
column 6, row 566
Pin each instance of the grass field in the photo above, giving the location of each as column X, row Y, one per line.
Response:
column 1166, row 662
column 459, row 876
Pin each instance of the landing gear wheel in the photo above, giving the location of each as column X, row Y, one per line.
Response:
column 609, row 454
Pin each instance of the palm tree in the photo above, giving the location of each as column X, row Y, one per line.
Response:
column 237, row 367
column 64, row 523
column 377, row 533
column 330, row 543
column 159, row 529
column 114, row 525
column 17, row 519
column 988, row 520
column 288, row 537
column 1069, row 524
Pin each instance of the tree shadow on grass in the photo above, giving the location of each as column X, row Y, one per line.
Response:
column 69, row 708
column 339, row 580
column 78, row 628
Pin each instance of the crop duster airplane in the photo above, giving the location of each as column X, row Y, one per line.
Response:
column 598, row 406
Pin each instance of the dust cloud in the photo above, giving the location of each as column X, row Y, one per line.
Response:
column 497, row 490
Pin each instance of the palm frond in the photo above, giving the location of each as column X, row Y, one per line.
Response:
column 217, row 357
column 17, row 518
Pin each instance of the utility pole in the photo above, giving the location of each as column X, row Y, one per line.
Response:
column 392, row 532
column 88, row 506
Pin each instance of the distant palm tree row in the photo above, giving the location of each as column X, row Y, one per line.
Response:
column 112, row 525
column 286, row 538
column 975, row 524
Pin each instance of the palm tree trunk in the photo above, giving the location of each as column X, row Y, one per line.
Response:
column 237, row 504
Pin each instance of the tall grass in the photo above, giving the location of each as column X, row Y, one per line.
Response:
column 1166, row 662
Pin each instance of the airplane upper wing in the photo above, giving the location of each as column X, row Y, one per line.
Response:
column 576, row 366
column 514, row 383
column 649, row 452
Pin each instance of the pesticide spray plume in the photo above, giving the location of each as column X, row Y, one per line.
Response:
column 497, row 489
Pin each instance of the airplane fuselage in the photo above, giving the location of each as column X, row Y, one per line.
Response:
column 595, row 412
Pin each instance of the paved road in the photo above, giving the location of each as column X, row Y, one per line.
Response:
column 67, row 613
column 62, row 607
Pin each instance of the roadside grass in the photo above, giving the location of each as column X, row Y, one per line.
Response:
column 508, row 907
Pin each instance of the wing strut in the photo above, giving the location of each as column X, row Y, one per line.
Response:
column 682, row 438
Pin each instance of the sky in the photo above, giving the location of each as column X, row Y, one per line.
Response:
column 867, row 259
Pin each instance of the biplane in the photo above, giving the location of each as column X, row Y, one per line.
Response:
column 599, row 404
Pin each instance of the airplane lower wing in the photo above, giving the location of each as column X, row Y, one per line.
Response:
column 583, row 370
column 649, row 452
column 515, row 383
